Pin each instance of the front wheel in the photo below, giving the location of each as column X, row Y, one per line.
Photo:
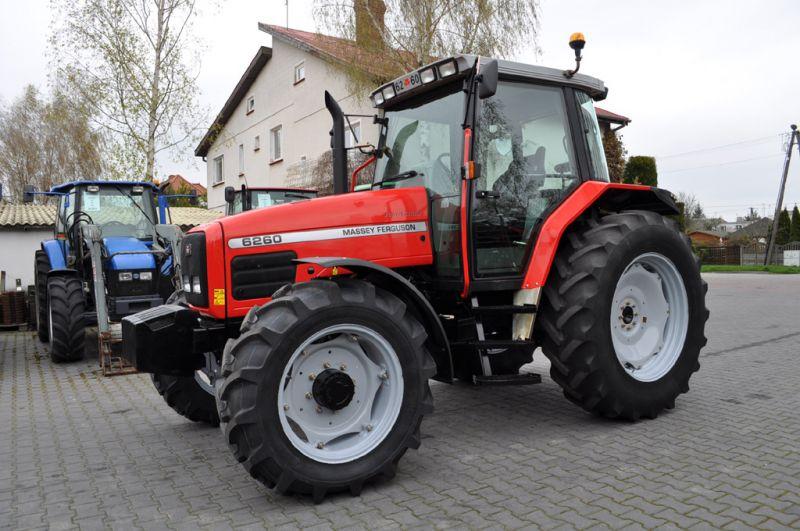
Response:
column 623, row 315
column 326, row 387
column 65, row 307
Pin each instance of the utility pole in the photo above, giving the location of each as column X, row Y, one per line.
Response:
column 793, row 137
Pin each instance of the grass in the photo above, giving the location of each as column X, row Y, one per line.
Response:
column 748, row 268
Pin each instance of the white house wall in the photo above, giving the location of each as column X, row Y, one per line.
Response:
column 300, row 111
column 19, row 247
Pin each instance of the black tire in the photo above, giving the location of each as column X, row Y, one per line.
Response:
column 573, row 324
column 184, row 394
column 187, row 397
column 41, row 268
column 66, row 304
column 253, row 366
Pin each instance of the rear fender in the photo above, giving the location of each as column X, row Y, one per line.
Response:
column 398, row 285
column 610, row 197
column 54, row 249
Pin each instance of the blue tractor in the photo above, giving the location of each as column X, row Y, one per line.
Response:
column 111, row 256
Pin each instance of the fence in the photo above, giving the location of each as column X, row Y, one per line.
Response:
column 743, row 254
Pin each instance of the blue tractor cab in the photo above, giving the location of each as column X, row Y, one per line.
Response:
column 111, row 256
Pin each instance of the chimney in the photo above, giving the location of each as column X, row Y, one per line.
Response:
column 369, row 23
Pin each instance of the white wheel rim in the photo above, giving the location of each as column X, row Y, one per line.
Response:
column 649, row 317
column 341, row 436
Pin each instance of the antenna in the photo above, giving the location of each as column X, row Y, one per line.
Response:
column 286, row 3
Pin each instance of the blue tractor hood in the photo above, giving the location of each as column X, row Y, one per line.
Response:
column 117, row 244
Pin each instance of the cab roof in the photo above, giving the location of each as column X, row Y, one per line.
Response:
column 509, row 70
column 66, row 187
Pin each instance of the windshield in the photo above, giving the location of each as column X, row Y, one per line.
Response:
column 119, row 211
column 265, row 198
column 424, row 138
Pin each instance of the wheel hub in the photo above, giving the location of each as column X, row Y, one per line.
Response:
column 333, row 389
column 647, row 335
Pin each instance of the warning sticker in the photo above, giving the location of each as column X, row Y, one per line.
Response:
column 219, row 297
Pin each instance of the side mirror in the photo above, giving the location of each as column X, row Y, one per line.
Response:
column 27, row 193
column 488, row 85
column 230, row 194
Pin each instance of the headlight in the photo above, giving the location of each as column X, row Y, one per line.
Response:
column 196, row 285
column 427, row 75
column 146, row 275
column 388, row 92
column 187, row 286
column 448, row 69
column 125, row 276
column 377, row 98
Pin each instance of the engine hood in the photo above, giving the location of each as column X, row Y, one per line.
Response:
column 346, row 216
column 117, row 244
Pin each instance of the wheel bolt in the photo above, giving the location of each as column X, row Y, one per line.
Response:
column 342, row 367
column 368, row 427
column 384, row 375
column 309, row 395
column 327, row 365
column 312, row 376
column 320, row 445
column 286, row 407
column 319, row 409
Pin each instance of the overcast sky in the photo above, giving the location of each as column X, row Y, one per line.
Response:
column 709, row 85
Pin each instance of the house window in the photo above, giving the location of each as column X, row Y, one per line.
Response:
column 241, row 159
column 352, row 135
column 299, row 72
column 275, row 144
column 218, row 177
column 257, row 143
column 251, row 104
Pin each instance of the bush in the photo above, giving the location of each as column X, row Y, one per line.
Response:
column 641, row 170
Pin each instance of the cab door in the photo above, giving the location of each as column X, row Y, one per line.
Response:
column 527, row 162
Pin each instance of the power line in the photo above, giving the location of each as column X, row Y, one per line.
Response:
column 723, row 163
column 703, row 150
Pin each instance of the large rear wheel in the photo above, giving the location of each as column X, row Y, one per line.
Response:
column 326, row 387
column 65, row 307
column 623, row 315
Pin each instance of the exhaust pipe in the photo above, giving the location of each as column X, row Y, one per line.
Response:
column 337, row 145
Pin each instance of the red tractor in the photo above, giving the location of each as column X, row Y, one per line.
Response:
column 490, row 229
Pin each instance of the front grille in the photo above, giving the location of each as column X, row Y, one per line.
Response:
column 193, row 264
column 259, row 275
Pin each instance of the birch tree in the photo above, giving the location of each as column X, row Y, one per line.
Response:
column 136, row 63
column 402, row 35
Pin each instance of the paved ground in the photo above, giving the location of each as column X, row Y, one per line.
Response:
column 78, row 449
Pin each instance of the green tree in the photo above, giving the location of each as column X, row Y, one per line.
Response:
column 641, row 170
column 784, row 228
column 135, row 62
column 615, row 155
column 794, row 232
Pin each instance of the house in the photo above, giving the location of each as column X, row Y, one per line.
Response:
column 706, row 238
column 752, row 232
column 275, row 123
column 24, row 226
column 610, row 121
column 274, row 127
column 732, row 226
column 177, row 184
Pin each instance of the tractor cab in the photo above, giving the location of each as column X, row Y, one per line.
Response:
column 244, row 199
column 505, row 141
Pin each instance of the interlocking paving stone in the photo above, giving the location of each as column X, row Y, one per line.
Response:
column 80, row 450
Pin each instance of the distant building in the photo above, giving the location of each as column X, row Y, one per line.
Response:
column 732, row 226
column 706, row 238
column 175, row 184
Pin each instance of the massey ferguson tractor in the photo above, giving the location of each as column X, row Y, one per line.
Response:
column 490, row 229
